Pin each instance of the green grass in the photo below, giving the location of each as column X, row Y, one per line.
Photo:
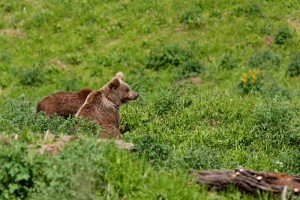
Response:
column 228, row 118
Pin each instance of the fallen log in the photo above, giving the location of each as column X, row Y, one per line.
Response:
column 250, row 180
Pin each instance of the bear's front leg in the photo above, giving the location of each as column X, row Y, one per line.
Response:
column 111, row 132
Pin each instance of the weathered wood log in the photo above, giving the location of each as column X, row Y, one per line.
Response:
column 250, row 180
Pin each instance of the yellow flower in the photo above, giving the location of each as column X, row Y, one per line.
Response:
column 244, row 78
column 252, row 75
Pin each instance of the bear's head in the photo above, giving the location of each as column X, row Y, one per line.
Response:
column 119, row 91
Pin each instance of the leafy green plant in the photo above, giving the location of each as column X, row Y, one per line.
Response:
column 291, row 161
column 16, row 179
column 228, row 61
column 193, row 18
column 11, row 6
column 274, row 124
column 254, row 9
column 33, row 76
column 71, row 83
column 171, row 100
column 39, row 19
column 73, row 59
column 250, row 9
column 153, row 149
column 283, row 34
column 173, row 55
column 264, row 59
column 190, row 68
column 201, row 157
column 293, row 68
column 251, row 81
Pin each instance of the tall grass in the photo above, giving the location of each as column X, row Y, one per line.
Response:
column 218, row 84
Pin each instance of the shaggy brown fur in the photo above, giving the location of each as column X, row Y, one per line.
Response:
column 103, row 105
column 63, row 103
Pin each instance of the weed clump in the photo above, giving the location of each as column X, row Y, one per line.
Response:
column 173, row 55
column 293, row 68
column 264, row 83
column 193, row 18
column 251, row 9
column 251, row 81
column 274, row 124
column 32, row 76
column 16, row 178
column 181, row 58
column 71, row 83
column 191, row 68
column 73, row 59
column 291, row 161
column 156, row 151
column 283, row 34
column 264, row 59
column 171, row 100
column 200, row 158
column 228, row 61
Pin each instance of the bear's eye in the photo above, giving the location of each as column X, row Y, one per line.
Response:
column 127, row 89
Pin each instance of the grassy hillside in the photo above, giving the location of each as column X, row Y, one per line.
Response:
column 218, row 82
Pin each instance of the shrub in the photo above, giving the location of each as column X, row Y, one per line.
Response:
column 274, row 124
column 293, row 68
column 272, row 88
column 200, row 158
column 251, row 81
column 173, row 55
column 253, row 9
column 39, row 19
column 264, row 83
column 33, row 76
column 155, row 150
column 16, row 175
column 264, row 59
column 228, row 61
column 190, row 68
column 6, row 57
column 291, row 160
column 17, row 115
column 71, row 83
column 73, row 59
column 193, row 18
column 172, row 99
column 283, row 34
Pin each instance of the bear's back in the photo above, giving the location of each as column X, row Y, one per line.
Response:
column 63, row 103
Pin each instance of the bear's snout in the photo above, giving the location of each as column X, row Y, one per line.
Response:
column 134, row 96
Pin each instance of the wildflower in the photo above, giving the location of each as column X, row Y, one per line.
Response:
column 244, row 78
column 252, row 74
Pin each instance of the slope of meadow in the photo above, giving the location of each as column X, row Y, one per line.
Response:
column 218, row 82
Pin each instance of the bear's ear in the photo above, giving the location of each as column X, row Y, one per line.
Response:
column 120, row 75
column 114, row 84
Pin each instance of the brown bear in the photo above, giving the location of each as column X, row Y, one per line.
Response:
column 63, row 103
column 103, row 105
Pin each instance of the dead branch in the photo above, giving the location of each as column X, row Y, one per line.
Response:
column 250, row 180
